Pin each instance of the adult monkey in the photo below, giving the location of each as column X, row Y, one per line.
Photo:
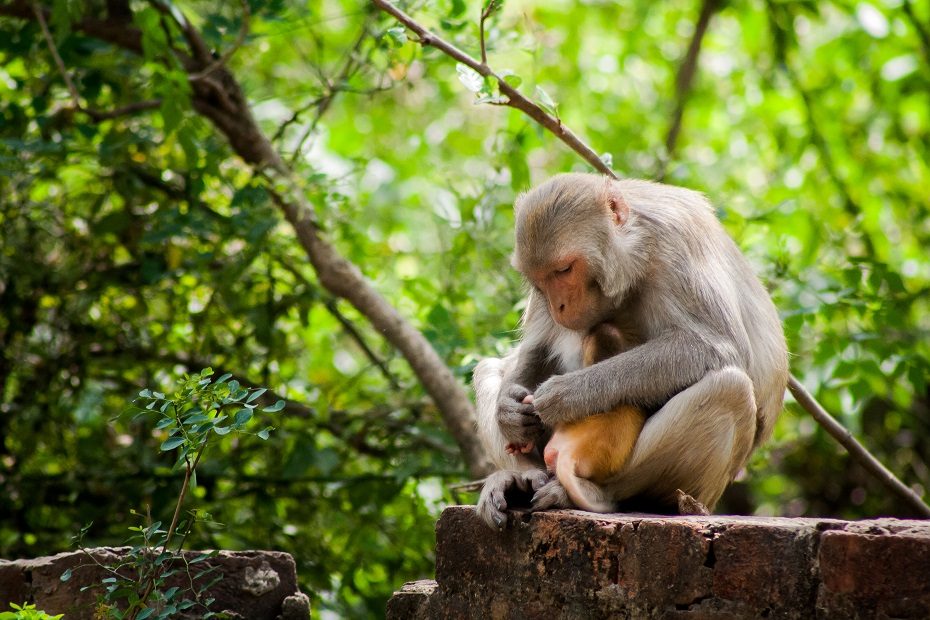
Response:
column 654, row 261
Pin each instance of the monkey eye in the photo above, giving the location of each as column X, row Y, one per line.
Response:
column 565, row 269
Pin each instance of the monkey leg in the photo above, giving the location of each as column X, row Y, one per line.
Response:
column 697, row 442
column 488, row 377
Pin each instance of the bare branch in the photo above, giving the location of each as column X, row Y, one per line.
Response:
column 856, row 449
column 685, row 80
column 490, row 8
column 332, row 307
column 333, row 88
column 514, row 98
column 353, row 332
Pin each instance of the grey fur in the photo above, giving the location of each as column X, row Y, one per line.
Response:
column 671, row 273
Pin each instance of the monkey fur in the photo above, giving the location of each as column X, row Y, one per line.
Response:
column 711, row 359
column 586, row 453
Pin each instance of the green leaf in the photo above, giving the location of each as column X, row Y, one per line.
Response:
column 224, row 378
column 513, row 80
column 278, row 406
column 263, row 434
column 493, row 99
column 242, row 417
column 397, row 35
column 145, row 613
column 171, row 443
column 546, row 101
column 65, row 576
column 471, row 79
column 256, row 394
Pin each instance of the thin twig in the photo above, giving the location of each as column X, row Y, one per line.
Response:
column 353, row 333
column 126, row 110
column 40, row 17
column 294, row 118
column 514, row 98
column 96, row 115
column 856, row 449
column 333, row 88
column 684, row 82
column 490, row 8
column 804, row 399
column 222, row 60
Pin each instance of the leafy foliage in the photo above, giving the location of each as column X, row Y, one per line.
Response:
column 26, row 612
column 135, row 249
column 198, row 413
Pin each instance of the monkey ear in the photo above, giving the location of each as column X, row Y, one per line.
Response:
column 619, row 209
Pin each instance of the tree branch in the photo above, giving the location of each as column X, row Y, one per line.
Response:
column 95, row 115
column 333, row 88
column 806, row 401
column 514, row 98
column 220, row 99
column 856, row 449
column 685, row 80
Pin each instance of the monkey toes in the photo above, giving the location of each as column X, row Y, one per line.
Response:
column 507, row 488
column 551, row 495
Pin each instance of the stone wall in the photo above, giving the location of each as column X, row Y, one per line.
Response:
column 572, row 564
column 257, row 585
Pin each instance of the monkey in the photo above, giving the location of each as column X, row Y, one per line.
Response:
column 592, row 449
column 711, row 359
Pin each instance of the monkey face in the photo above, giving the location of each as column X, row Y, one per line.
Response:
column 574, row 299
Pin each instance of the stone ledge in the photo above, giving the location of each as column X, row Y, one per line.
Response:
column 258, row 585
column 573, row 564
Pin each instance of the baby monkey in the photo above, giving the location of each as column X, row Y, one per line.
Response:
column 586, row 454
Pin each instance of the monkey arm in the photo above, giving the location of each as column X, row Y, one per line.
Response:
column 645, row 376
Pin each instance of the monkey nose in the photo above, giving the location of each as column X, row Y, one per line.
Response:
column 561, row 307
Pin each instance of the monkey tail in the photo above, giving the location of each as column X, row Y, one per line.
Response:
column 584, row 493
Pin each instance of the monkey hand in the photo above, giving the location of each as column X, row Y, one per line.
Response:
column 553, row 400
column 505, row 485
column 517, row 417
column 551, row 495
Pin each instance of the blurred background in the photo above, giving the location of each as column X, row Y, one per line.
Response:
column 138, row 248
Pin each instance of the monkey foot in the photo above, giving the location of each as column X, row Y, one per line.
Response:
column 687, row 505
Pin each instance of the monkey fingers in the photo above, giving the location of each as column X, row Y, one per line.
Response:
column 551, row 495
column 493, row 499
column 552, row 400
column 517, row 419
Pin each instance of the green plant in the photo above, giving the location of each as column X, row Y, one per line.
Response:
column 26, row 612
column 196, row 414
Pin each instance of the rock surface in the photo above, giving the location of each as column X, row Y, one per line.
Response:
column 573, row 564
column 258, row 585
